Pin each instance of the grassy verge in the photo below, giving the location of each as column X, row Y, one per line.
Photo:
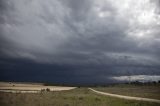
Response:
column 76, row 97
column 147, row 91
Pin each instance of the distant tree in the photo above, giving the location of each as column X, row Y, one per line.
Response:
column 47, row 89
column 154, row 82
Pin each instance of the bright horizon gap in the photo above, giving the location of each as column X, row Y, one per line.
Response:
column 143, row 78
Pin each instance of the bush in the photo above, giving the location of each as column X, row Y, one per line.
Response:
column 42, row 90
column 47, row 89
column 97, row 99
column 80, row 98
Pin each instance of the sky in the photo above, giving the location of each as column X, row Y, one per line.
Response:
column 79, row 41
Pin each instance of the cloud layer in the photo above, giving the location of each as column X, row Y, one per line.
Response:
column 91, row 37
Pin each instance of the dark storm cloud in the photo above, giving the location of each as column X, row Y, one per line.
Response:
column 85, row 39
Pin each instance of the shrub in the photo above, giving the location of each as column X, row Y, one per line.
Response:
column 80, row 98
column 97, row 99
column 42, row 90
column 47, row 89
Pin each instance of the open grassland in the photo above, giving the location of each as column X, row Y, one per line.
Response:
column 146, row 91
column 75, row 97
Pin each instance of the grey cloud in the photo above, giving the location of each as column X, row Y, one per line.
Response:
column 78, row 9
column 157, row 3
column 92, row 36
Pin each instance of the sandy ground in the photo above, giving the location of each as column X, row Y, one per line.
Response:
column 126, row 97
column 29, row 87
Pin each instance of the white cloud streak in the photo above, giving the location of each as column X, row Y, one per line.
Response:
column 142, row 78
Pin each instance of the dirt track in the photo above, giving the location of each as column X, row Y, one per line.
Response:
column 126, row 97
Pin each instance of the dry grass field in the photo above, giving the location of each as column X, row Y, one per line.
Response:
column 146, row 91
column 75, row 97
column 29, row 87
column 71, row 96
